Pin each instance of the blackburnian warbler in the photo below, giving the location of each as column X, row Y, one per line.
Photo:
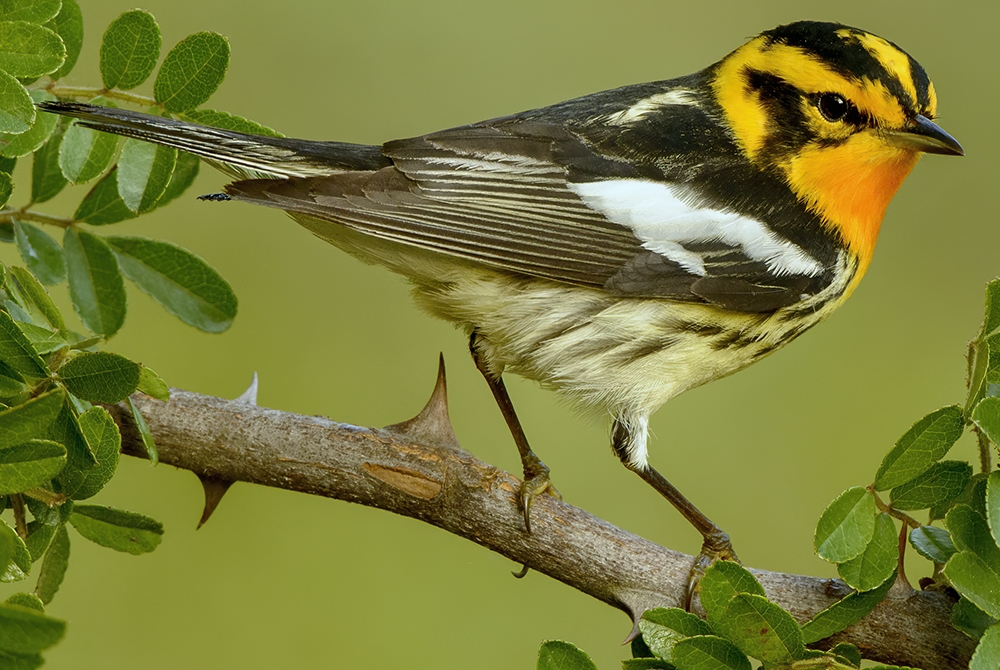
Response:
column 628, row 245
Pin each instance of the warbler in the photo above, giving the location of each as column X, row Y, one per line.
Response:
column 625, row 246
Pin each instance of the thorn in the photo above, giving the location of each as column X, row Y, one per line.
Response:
column 215, row 488
column 432, row 424
column 634, row 633
column 214, row 197
column 522, row 572
column 248, row 397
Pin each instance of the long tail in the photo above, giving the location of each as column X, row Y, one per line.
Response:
column 239, row 154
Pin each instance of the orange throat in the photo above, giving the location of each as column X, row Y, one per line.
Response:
column 850, row 186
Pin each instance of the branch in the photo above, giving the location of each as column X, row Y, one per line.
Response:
column 417, row 469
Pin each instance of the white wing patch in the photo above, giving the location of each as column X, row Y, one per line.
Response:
column 639, row 110
column 658, row 215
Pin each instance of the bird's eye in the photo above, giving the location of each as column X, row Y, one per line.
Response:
column 832, row 106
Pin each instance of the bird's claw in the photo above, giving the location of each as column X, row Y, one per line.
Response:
column 716, row 547
column 536, row 482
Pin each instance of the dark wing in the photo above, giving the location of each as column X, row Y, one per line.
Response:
column 502, row 195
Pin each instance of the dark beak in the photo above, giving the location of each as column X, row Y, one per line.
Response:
column 922, row 134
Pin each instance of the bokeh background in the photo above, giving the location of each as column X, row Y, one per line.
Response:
column 278, row 579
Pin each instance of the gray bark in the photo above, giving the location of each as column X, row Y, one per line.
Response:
column 417, row 469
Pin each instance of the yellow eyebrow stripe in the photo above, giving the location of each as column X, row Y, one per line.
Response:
column 895, row 62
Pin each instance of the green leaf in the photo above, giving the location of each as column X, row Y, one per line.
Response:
column 30, row 420
column 117, row 529
column 29, row 50
column 7, row 544
column 130, row 49
column 47, row 179
column 144, row 433
column 43, row 256
column 85, row 154
column 877, row 562
column 22, row 144
column 34, row 11
column 100, row 377
column 986, row 416
column 39, row 536
column 974, row 579
column 183, row 283
column 66, row 430
column 845, row 612
column 31, row 464
column 662, row 628
column 646, row 664
column 708, row 652
column 846, row 526
column 28, row 600
column 848, row 652
column 6, row 188
column 761, row 629
column 557, row 655
column 37, row 297
column 993, row 504
column 970, row 532
column 941, row 483
column 25, row 631
column 17, row 112
column 104, row 440
column 987, row 655
column 722, row 581
column 42, row 339
column 184, row 173
column 68, row 24
column 103, row 205
column 932, row 543
column 17, row 352
column 144, row 171
column 969, row 619
column 926, row 442
column 9, row 661
column 227, row 121
column 54, row 565
column 192, row 71
column 152, row 385
column 986, row 361
column 20, row 565
column 96, row 286
column 11, row 382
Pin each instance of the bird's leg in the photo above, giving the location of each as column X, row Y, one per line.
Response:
column 715, row 546
column 536, row 474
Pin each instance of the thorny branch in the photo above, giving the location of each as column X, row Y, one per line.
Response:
column 417, row 469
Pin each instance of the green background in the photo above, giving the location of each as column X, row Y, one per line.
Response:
column 278, row 579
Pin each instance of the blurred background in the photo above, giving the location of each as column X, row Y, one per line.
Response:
column 278, row 579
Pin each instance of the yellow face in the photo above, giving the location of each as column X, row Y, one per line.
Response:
column 826, row 112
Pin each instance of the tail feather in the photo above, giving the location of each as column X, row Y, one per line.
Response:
column 240, row 154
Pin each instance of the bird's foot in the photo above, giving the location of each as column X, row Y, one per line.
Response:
column 536, row 482
column 716, row 547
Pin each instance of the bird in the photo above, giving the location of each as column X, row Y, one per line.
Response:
column 624, row 246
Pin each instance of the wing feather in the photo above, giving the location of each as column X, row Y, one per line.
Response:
column 503, row 195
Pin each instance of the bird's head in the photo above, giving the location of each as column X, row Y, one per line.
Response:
column 842, row 114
